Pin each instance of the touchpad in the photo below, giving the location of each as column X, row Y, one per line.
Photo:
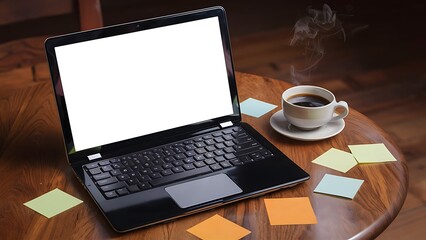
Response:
column 203, row 190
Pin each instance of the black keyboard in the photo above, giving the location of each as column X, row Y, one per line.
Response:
column 168, row 163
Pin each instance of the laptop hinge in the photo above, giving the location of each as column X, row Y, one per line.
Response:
column 94, row 156
column 226, row 124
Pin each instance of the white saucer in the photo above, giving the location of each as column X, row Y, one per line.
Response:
column 280, row 124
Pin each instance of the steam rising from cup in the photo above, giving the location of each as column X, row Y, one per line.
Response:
column 310, row 31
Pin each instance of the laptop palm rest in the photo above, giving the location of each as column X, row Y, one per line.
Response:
column 203, row 190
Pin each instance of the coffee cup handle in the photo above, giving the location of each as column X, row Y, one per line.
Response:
column 343, row 105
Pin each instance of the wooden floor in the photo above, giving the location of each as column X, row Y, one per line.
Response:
column 379, row 69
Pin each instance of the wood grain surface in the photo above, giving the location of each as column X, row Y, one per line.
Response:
column 33, row 162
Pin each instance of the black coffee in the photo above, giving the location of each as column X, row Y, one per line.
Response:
column 308, row 100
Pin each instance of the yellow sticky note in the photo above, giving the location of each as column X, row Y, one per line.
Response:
column 53, row 203
column 371, row 153
column 218, row 228
column 290, row 211
column 336, row 159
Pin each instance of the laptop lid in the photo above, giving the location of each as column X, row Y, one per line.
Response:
column 144, row 81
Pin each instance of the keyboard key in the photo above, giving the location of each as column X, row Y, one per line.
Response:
column 190, row 147
column 107, row 168
column 217, row 134
column 113, row 186
column 188, row 166
column 169, row 159
column 210, row 161
column 219, row 152
column 200, row 150
column 91, row 165
column 110, row 195
column 249, row 150
column 115, row 172
column 215, row 167
column 190, row 153
column 219, row 159
column 122, row 191
column 144, row 186
column 136, row 167
column 228, row 137
column 207, row 137
column 95, row 171
column 147, row 164
column 107, row 181
column 104, row 163
column 167, row 165
column 145, row 171
column 180, row 156
column 236, row 162
column 225, row 164
column 199, row 164
column 229, row 150
column 266, row 153
column 101, row 176
column 229, row 156
column 210, row 142
column 189, row 160
column 210, row 148
column 199, row 157
column 144, row 178
column 134, row 174
column 123, row 177
column 157, row 169
column 178, row 163
column 166, row 172
column 200, row 144
column 180, row 176
column 155, row 175
column 133, row 188
column 177, row 169
column 117, row 165
column 132, row 181
column 228, row 131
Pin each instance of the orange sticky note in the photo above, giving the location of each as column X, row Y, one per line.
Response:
column 218, row 228
column 290, row 211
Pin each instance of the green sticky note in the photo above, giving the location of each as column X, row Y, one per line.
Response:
column 339, row 186
column 336, row 159
column 255, row 108
column 371, row 153
column 53, row 203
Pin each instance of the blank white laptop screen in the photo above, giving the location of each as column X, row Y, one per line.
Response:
column 125, row 86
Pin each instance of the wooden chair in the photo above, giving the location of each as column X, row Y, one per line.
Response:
column 22, row 61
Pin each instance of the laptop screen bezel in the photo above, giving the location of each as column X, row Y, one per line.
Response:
column 126, row 28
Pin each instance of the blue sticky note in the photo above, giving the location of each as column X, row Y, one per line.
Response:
column 339, row 186
column 255, row 108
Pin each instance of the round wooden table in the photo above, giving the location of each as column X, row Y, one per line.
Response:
column 33, row 162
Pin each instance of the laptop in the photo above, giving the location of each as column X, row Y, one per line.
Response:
column 151, row 119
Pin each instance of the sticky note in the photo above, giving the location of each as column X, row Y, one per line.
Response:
column 216, row 228
column 255, row 108
column 53, row 203
column 371, row 153
column 290, row 211
column 339, row 186
column 336, row 159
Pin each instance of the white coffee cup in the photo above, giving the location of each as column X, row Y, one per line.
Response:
column 309, row 107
